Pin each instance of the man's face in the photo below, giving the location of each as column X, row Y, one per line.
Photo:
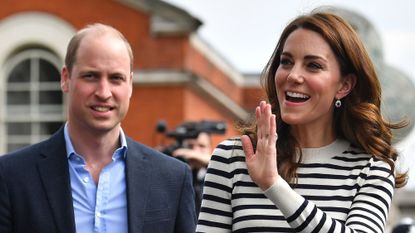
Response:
column 201, row 143
column 99, row 86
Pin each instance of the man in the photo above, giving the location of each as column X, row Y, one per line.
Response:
column 89, row 176
column 197, row 153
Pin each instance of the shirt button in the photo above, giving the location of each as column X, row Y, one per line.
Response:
column 86, row 179
column 98, row 214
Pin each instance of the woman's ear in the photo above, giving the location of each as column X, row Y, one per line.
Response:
column 347, row 85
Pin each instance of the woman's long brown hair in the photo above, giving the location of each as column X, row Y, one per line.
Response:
column 359, row 120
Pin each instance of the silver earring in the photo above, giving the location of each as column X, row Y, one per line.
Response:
column 338, row 103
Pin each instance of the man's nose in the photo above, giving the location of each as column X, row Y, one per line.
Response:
column 103, row 90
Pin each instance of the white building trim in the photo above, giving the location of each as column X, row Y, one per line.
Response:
column 24, row 30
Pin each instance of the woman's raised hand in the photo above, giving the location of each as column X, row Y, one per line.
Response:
column 262, row 163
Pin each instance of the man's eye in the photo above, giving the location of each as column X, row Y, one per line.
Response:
column 117, row 78
column 88, row 76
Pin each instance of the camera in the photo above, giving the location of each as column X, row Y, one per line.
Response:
column 189, row 130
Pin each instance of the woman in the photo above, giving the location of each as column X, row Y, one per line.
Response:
column 319, row 156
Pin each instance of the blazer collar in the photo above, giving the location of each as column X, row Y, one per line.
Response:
column 138, row 173
column 54, row 173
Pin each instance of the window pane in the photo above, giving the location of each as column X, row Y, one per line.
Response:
column 48, row 72
column 20, row 73
column 18, row 128
column 18, row 97
column 51, row 109
column 48, row 128
column 50, row 97
column 20, row 110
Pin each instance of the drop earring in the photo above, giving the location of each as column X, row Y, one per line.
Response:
column 338, row 103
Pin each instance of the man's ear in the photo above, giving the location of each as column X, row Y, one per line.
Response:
column 347, row 85
column 65, row 79
column 131, row 84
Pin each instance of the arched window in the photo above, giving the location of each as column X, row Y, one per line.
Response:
column 34, row 101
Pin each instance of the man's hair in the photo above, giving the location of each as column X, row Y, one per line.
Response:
column 99, row 29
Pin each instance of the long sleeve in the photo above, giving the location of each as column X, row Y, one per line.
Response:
column 368, row 212
column 339, row 188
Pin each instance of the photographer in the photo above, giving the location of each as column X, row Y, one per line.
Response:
column 194, row 147
column 196, row 152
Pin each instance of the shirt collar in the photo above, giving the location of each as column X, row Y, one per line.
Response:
column 122, row 150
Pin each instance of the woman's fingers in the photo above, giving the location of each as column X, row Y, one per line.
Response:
column 247, row 147
column 265, row 121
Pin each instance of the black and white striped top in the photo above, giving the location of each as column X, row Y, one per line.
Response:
column 340, row 189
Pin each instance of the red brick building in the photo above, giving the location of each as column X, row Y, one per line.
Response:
column 177, row 77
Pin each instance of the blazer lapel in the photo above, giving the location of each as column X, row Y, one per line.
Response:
column 138, row 180
column 53, row 169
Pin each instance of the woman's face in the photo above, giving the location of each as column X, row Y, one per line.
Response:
column 308, row 80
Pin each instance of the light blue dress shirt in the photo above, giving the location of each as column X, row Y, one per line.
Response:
column 99, row 208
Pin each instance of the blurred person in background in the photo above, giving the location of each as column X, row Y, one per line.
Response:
column 406, row 225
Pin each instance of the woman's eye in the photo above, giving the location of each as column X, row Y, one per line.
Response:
column 315, row 66
column 285, row 61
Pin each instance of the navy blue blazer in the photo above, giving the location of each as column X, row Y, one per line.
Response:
column 35, row 191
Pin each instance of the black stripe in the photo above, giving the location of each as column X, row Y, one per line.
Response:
column 377, row 178
column 367, row 218
column 384, row 169
column 368, row 211
column 263, row 229
column 328, row 176
column 307, row 220
column 352, row 159
column 332, row 166
column 361, row 224
column 218, row 186
column 248, row 195
column 245, row 207
column 216, row 212
column 216, row 199
column 229, row 147
column 371, row 204
column 343, row 228
column 376, row 196
column 327, row 187
column 332, row 227
column 353, row 152
column 214, row 224
column 329, row 198
column 258, row 217
column 335, row 209
column 219, row 173
column 320, row 224
column 233, row 159
column 245, row 184
column 378, row 187
column 298, row 212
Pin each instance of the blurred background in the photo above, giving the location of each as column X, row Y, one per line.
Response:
column 195, row 61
